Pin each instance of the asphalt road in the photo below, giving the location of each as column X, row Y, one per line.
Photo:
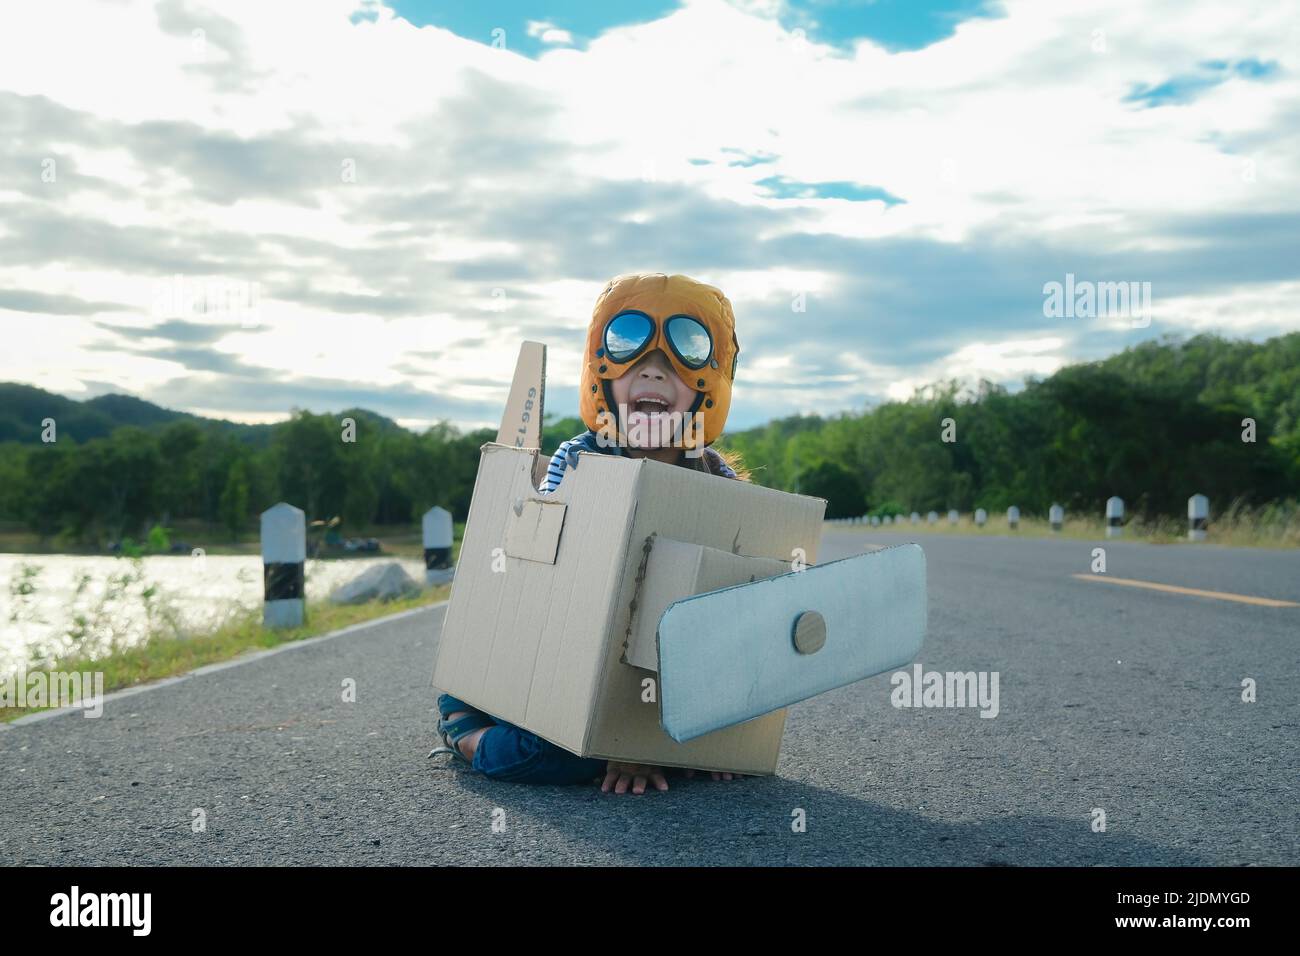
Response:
column 1110, row 697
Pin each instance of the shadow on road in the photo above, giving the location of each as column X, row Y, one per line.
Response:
column 750, row 822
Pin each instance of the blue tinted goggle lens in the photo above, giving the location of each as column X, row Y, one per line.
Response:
column 690, row 340
column 626, row 335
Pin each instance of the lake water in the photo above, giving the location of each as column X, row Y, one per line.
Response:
column 51, row 604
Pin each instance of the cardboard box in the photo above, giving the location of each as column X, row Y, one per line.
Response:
column 541, row 608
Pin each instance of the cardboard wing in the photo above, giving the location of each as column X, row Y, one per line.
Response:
column 788, row 638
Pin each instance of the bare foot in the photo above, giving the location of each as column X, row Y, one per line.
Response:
column 619, row 775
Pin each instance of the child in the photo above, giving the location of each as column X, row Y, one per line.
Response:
column 660, row 361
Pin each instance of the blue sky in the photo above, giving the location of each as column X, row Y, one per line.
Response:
column 894, row 24
column 236, row 208
column 1186, row 87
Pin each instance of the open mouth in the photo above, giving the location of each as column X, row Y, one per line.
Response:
column 649, row 405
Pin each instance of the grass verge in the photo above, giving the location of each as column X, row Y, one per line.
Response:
column 397, row 541
column 161, row 655
column 1231, row 530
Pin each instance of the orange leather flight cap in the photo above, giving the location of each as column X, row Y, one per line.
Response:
column 661, row 297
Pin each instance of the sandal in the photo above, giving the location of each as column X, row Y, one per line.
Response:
column 452, row 731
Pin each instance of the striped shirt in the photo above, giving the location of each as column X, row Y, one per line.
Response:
column 710, row 462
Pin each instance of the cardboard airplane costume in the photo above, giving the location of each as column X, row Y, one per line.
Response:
column 647, row 612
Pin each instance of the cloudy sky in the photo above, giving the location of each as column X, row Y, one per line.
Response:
column 235, row 208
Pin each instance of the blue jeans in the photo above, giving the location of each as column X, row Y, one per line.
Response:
column 510, row 753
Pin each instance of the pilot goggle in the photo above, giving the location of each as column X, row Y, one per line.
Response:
column 628, row 333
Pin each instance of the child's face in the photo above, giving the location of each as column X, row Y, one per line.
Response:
column 652, row 392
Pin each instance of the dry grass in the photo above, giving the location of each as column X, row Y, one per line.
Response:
column 164, row 655
column 400, row 541
column 1275, row 525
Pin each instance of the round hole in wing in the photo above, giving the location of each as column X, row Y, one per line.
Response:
column 809, row 632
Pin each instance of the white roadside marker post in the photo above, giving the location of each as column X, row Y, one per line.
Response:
column 1114, row 517
column 981, row 516
column 437, row 546
column 1013, row 517
column 1198, row 517
column 916, row 517
column 932, row 517
column 284, row 551
column 1057, row 516
column 953, row 516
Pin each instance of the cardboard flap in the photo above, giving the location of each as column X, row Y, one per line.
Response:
column 521, row 423
column 736, row 653
column 533, row 529
column 673, row 570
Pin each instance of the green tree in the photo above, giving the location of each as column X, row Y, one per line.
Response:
column 311, row 471
column 179, row 445
column 116, row 481
column 839, row 486
column 234, row 499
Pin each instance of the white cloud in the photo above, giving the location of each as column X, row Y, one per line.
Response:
column 1261, row 311
column 1010, row 143
column 1003, row 363
column 548, row 32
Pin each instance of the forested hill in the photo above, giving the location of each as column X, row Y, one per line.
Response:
column 24, row 407
column 1153, row 424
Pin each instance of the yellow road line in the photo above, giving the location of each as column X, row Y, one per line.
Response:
column 1196, row 592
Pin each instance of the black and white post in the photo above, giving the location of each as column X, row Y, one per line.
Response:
column 437, row 546
column 1114, row 517
column 284, row 550
column 1056, row 515
column 1198, row 517
column 1013, row 517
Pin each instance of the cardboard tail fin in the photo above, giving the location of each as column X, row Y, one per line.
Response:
column 521, row 425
